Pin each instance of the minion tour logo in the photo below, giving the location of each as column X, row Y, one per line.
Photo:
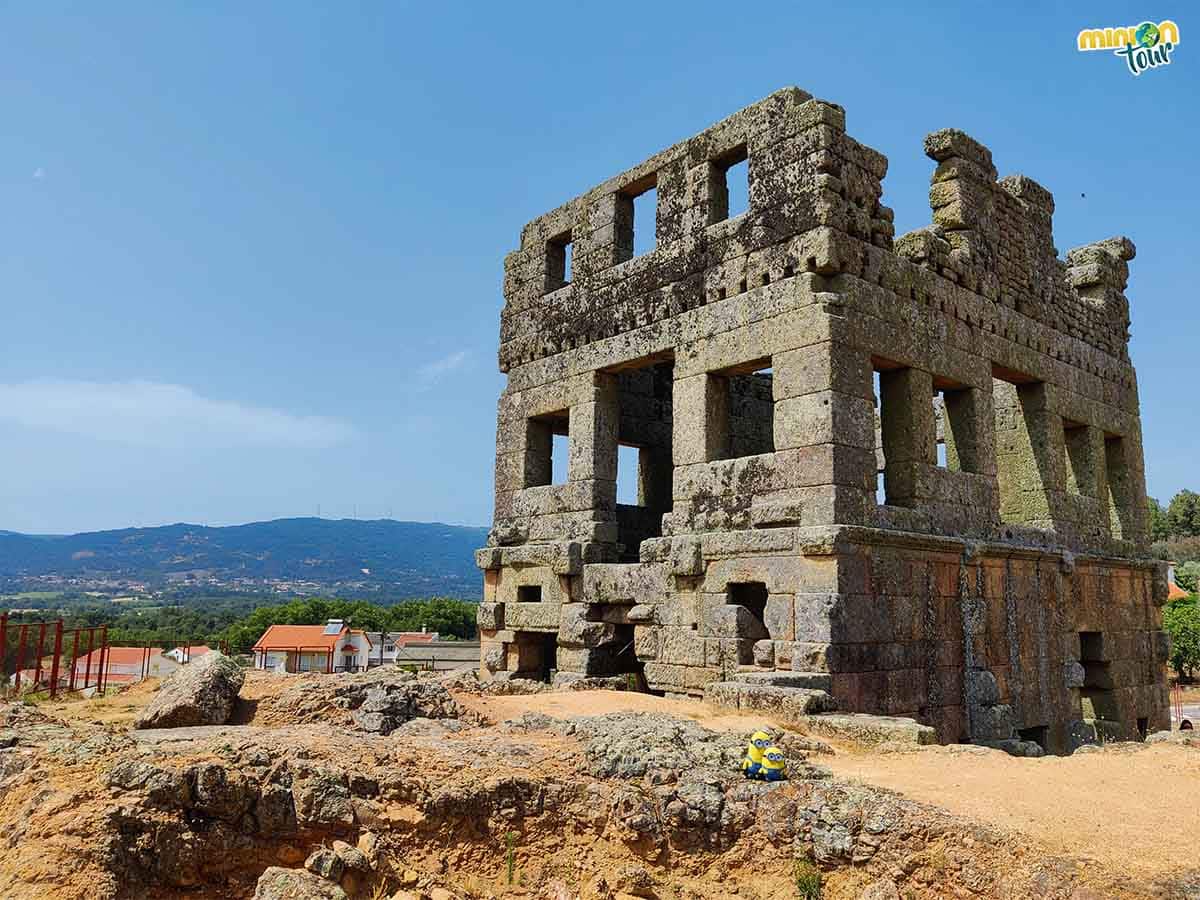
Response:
column 1145, row 46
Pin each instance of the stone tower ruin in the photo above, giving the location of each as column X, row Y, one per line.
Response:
column 904, row 471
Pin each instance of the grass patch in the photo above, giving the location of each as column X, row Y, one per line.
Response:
column 808, row 879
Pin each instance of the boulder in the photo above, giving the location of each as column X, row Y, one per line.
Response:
column 326, row 863
column 295, row 884
column 200, row 693
column 387, row 705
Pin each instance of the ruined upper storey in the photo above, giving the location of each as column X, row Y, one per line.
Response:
column 575, row 279
column 797, row 365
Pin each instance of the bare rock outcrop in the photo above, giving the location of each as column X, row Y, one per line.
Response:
column 201, row 693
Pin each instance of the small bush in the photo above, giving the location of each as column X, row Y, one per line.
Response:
column 808, row 880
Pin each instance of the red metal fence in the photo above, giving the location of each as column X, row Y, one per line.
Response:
column 25, row 646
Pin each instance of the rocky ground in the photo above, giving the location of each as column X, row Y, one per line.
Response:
column 388, row 785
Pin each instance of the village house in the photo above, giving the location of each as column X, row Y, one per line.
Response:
column 333, row 647
column 187, row 654
column 125, row 665
column 387, row 647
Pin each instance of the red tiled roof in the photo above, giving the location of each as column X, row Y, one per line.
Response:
column 292, row 637
column 411, row 637
column 193, row 652
column 118, row 656
column 1174, row 591
column 303, row 637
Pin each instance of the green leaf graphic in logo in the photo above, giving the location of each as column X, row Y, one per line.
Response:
column 1146, row 34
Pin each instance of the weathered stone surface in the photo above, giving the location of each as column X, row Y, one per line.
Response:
column 202, row 692
column 769, row 369
column 325, row 863
column 295, row 884
column 221, row 793
column 788, row 703
column 389, row 703
column 490, row 616
column 764, row 653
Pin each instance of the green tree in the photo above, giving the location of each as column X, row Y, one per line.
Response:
column 1181, row 620
column 1183, row 514
column 447, row 616
column 1159, row 528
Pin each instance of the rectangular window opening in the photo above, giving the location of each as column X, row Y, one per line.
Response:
column 954, row 409
column 559, row 265
column 898, row 449
column 529, row 593
column 628, row 481
column 880, row 464
column 939, row 433
column 636, row 225
column 729, row 178
column 1035, row 733
column 751, row 596
column 742, row 411
column 645, row 221
column 561, row 448
column 645, row 468
column 537, row 655
column 547, row 444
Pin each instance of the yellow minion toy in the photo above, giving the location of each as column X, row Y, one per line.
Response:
column 753, row 760
column 774, row 766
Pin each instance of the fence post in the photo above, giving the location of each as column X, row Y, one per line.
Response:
column 87, row 670
column 58, row 634
column 74, row 660
column 41, row 648
column 102, row 676
column 20, row 657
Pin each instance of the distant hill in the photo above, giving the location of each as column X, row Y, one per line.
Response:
column 406, row 558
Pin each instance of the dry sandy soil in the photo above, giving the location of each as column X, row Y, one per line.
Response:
column 1137, row 810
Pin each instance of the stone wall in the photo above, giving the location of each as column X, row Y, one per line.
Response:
column 812, row 400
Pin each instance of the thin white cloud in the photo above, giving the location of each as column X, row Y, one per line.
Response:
column 153, row 414
column 433, row 372
column 39, row 172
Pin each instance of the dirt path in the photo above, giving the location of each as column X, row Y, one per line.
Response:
column 1130, row 809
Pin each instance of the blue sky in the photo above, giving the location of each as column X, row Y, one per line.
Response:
column 251, row 254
